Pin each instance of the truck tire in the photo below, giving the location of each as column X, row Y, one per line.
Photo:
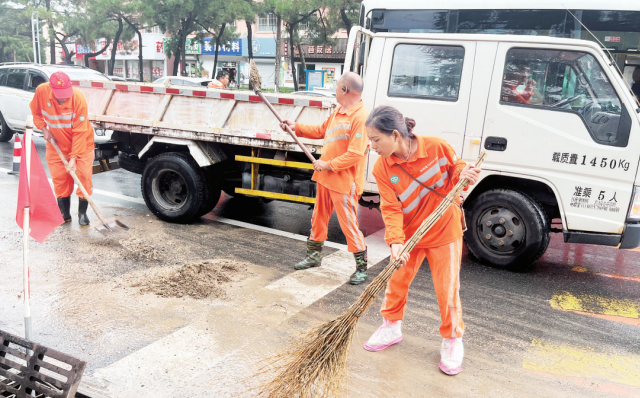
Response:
column 213, row 191
column 131, row 163
column 5, row 132
column 174, row 187
column 507, row 229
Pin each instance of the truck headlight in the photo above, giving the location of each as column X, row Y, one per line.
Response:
column 634, row 208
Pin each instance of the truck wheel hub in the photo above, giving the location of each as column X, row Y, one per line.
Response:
column 501, row 230
column 170, row 189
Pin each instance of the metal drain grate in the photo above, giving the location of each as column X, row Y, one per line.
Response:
column 30, row 370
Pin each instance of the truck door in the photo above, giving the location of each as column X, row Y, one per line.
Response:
column 429, row 81
column 554, row 115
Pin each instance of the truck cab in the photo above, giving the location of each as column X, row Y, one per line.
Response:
column 559, row 124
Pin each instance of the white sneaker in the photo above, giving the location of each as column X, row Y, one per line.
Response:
column 387, row 335
column 451, row 354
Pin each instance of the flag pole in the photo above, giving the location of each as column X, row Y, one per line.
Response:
column 25, row 232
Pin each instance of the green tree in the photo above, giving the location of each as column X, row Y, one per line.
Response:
column 15, row 33
column 293, row 13
column 217, row 24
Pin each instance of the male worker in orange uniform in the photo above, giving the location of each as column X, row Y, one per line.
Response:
column 339, row 174
column 221, row 81
column 60, row 111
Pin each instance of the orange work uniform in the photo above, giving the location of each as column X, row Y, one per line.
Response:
column 345, row 145
column 69, row 125
column 215, row 83
column 511, row 94
column 405, row 204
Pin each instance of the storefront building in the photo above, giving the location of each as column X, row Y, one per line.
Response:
column 127, row 57
column 325, row 58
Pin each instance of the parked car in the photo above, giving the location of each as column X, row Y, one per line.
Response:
column 18, row 82
column 117, row 78
column 184, row 81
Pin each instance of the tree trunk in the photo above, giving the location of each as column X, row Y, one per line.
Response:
column 184, row 55
column 52, row 40
column 87, row 56
column 114, row 49
column 176, row 57
column 215, row 57
column 249, row 39
column 345, row 20
column 278, row 54
column 140, row 67
column 293, row 64
column 303, row 62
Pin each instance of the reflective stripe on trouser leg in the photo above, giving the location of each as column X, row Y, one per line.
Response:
column 395, row 297
column 84, row 171
column 321, row 214
column 345, row 206
column 444, row 262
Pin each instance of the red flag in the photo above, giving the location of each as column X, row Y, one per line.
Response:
column 44, row 214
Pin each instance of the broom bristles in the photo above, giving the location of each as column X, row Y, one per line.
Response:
column 315, row 365
column 254, row 77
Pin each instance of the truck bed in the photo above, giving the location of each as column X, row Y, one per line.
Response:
column 236, row 117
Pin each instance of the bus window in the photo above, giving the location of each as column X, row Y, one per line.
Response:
column 513, row 22
column 431, row 72
column 412, row 21
column 567, row 81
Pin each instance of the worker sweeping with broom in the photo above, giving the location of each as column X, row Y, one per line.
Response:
column 413, row 174
column 339, row 174
column 60, row 111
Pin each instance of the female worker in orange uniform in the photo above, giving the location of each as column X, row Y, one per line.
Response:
column 412, row 174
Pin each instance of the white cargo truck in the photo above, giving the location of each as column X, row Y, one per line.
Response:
column 559, row 123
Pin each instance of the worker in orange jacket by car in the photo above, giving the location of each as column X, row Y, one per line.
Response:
column 60, row 111
column 413, row 175
column 339, row 174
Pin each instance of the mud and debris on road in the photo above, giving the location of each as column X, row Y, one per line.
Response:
column 198, row 279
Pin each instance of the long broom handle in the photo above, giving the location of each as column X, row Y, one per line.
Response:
column 280, row 119
column 53, row 142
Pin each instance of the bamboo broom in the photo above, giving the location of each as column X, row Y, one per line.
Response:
column 315, row 365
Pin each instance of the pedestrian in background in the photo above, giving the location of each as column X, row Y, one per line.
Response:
column 339, row 174
column 221, row 81
column 413, row 175
column 60, row 111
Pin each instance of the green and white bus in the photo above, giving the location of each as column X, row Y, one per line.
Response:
column 616, row 24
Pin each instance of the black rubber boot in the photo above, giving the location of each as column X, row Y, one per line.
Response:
column 361, row 268
column 65, row 208
column 82, row 212
column 314, row 255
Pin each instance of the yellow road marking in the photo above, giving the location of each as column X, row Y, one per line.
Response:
column 595, row 305
column 582, row 362
column 626, row 278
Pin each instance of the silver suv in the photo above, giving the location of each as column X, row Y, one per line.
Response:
column 18, row 82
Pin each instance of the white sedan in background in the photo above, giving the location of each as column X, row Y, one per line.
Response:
column 18, row 82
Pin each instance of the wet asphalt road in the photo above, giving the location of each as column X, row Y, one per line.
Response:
column 569, row 327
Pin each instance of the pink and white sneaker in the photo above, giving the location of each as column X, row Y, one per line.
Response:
column 451, row 354
column 387, row 335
